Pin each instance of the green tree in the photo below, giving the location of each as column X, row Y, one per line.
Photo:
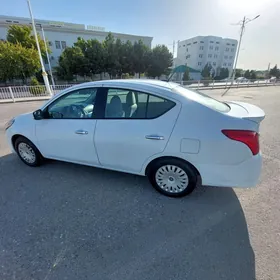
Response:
column 238, row 73
column 110, row 55
column 247, row 74
column 126, row 58
column 18, row 34
column 274, row 72
column 141, row 57
column 224, row 73
column 70, row 63
column 17, row 61
column 160, row 59
column 253, row 75
column 186, row 76
column 206, row 71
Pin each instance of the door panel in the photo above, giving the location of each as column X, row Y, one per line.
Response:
column 69, row 140
column 68, row 129
column 125, row 142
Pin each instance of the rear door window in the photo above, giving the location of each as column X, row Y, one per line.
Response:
column 157, row 106
column 130, row 104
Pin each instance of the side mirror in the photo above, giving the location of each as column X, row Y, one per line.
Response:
column 38, row 114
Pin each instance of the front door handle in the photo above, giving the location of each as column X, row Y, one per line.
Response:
column 80, row 131
column 154, row 137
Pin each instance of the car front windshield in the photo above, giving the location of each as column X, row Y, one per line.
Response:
column 202, row 99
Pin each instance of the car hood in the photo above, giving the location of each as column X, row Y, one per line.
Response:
column 24, row 117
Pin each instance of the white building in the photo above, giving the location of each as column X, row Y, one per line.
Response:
column 196, row 52
column 63, row 34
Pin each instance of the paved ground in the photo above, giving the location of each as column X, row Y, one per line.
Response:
column 64, row 221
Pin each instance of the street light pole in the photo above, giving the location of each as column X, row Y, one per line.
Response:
column 43, row 34
column 244, row 22
column 44, row 74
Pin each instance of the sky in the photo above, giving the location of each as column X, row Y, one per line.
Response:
column 169, row 20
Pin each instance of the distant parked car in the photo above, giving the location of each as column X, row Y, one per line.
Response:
column 242, row 80
column 172, row 134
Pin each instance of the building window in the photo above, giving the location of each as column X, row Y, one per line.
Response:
column 188, row 44
column 201, row 55
column 226, row 57
column 233, row 45
column 209, row 55
column 57, row 44
column 227, row 49
column 201, row 47
column 215, row 56
column 211, row 47
column 228, row 44
column 216, row 48
column 184, row 45
column 201, row 42
column 224, row 64
column 232, row 50
column 195, row 42
column 199, row 63
column 211, row 42
column 229, row 64
column 217, row 42
column 188, row 56
column 230, row 57
column 63, row 45
column 50, row 43
column 214, row 63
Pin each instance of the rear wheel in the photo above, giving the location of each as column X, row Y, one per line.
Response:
column 27, row 152
column 173, row 177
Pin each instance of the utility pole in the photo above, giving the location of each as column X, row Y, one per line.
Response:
column 243, row 23
column 44, row 74
column 48, row 58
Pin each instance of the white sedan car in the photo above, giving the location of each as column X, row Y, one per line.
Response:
column 171, row 134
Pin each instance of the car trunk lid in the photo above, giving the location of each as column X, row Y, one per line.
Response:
column 246, row 111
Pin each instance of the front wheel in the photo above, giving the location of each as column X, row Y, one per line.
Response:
column 27, row 152
column 173, row 177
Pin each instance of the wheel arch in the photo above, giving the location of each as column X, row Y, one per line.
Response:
column 150, row 164
column 16, row 136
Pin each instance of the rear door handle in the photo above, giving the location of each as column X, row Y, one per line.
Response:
column 154, row 137
column 80, row 131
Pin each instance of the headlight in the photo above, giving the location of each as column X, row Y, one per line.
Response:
column 9, row 124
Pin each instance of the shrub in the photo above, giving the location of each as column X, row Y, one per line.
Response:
column 36, row 88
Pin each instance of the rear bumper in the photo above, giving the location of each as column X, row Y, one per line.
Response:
column 243, row 175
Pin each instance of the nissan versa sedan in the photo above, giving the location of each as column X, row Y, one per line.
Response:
column 174, row 135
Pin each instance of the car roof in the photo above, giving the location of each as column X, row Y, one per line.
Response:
column 147, row 85
column 134, row 83
column 161, row 88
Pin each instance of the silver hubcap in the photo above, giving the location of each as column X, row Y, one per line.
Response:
column 172, row 178
column 26, row 153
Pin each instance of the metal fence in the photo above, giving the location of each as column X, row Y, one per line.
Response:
column 213, row 84
column 26, row 93
column 21, row 93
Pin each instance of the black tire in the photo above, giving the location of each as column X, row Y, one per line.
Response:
column 32, row 148
column 191, row 173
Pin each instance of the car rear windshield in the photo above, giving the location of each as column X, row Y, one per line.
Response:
column 202, row 99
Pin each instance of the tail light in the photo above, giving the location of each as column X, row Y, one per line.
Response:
column 249, row 138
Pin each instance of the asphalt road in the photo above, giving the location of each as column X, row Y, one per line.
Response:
column 65, row 221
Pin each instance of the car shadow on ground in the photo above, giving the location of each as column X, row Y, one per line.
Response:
column 69, row 221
